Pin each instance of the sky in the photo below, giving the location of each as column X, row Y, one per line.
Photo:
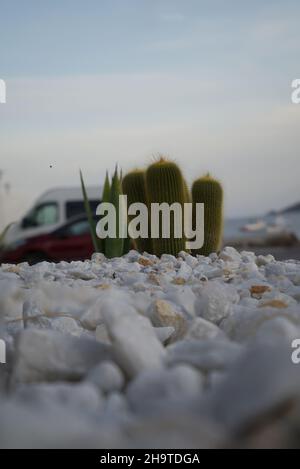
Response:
column 98, row 82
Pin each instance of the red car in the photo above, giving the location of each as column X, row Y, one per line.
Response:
column 72, row 241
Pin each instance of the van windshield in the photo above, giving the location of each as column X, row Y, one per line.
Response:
column 43, row 214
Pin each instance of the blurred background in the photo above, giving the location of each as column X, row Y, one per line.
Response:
column 208, row 83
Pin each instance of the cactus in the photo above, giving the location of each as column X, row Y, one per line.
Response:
column 134, row 186
column 187, row 194
column 209, row 191
column 161, row 183
column 164, row 183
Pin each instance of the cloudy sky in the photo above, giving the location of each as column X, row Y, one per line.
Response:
column 94, row 82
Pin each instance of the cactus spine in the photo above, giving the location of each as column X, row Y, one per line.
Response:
column 134, row 186
column 164, row 183
column 209, row 191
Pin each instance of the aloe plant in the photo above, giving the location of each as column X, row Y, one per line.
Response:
column 106, row 189
column 98, row 245
column 114, row 247
column 111, row 247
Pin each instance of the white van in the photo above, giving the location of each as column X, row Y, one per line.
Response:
column 51, row 210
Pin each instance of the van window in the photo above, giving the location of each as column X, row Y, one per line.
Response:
column 44, row 214
column 76, row 207
column 78, row 228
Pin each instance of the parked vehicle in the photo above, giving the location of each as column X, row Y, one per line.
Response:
column 71, row 241
column 50, row 211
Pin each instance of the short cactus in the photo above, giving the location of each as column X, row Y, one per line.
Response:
column 209, row 191
column 134, row 186
column 165, row 184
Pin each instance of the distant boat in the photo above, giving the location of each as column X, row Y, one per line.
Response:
column 257, row 226
column 278, row 226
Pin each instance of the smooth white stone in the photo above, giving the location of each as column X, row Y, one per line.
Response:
column 116, row 405
column 263, row 260
column 154, row 386
column 262, row 381
column 67, row 325
column 277, row 329
column 135, row 344
column 277, row 296
column 163, row 313
column 98, row 257
column 201, row 329
column 249, row 302
column 206, row 355
column 275, row 268
column 102, row 335
column 244, row 323
column 93, row 317
column 107, row 377
column 55, row 427
column 215, row 301
column 183, row 297
column 82, row 396
column 45, row 355
column 230, row 254
column 185, row 271
column 164, row 333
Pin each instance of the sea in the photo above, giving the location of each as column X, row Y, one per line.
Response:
column 232, row 226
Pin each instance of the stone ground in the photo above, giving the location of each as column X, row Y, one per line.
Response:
column 141, row 352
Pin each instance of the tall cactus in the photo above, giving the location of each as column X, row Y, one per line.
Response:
column 134, row 186
column 164, row 183
column 210, row 192
column 187, row 194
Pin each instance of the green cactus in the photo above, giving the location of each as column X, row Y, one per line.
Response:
column 161, row 183
column 210, row 192
column 164, row 183
column 134, row 186
column 187, row 194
